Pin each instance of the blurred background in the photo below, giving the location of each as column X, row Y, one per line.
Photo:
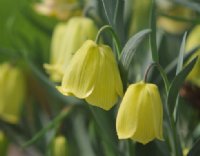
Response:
column 32, row 108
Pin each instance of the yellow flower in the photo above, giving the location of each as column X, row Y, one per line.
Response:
column 93, row 75
column 140, row 115
column 60, row 146
column 12, row 92
column 193, row 41
column 67, row 39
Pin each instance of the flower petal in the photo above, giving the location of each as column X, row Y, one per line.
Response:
column 104, row 94
column 127, row 116
column 82, row 72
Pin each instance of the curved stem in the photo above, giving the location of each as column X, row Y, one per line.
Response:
column 148, row 70
column 114, row 36
column 164, row 77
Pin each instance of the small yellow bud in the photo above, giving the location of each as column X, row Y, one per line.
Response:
column 173, row 26
column 12, row 92
column 67, row 39
column 185, row 151
column 140, row 115
column 93, row 75
column 193, row 41
column 60, row 146
column 3, row 144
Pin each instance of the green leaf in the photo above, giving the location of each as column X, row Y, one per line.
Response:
column 181, row 54
column 154, row 50
column 171, row 67
column 81, row 134
column 195, row 150
column 176, row 85
column 107, row 128
column 131, row 47
column 56, row 121
column 114, row 11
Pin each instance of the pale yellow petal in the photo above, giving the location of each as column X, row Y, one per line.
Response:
column 81, row 74
column 127, row 116
column 104, row 94
column 118, row 82
column 157, row 110
column 149, row 119
column 140, row 114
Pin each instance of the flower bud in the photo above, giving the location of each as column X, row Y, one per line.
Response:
column 12, row 92
column 193, row 41
column 140, row 115
column 93, row 75
column 3, row 144
column 60, row 147
column 173, row 26
column 67, row 39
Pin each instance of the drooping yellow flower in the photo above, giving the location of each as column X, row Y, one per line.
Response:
column 93, row 75
column 140, row 115
column 67, row 39
column 60, row 146
column 193, row 41
column 12, row 92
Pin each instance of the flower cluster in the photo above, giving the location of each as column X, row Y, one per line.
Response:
column 89, row 71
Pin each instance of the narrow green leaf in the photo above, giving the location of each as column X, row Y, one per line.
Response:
column 154, row 50
column 107, row 128
column 51, row 125
column 176, row 85
column 81, row 134
column 195, row 150
column 114, row 11
column 181, row 54
column 131, row 47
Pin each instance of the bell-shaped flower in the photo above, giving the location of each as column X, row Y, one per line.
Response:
column 59, row 146
column 93, row 75
column 140, row 114
column 67, row 39
column 193, row 41
column 12, row 92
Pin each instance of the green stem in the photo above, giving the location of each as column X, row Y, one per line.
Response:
column 148, row 70
column 154, row 50
column 51, row 125
column 170, row 116
column 164, row 77
column 114, row 36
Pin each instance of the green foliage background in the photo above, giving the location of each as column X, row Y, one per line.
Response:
column 25, row 38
